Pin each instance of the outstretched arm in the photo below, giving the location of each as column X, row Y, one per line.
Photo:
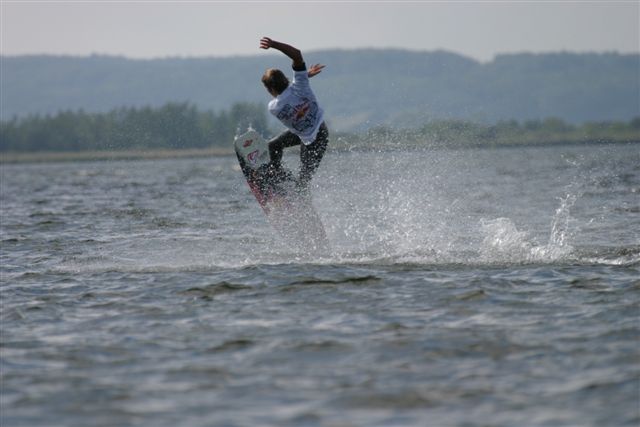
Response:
column 290, row 51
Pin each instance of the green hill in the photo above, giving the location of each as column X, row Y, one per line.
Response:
column 358, row 89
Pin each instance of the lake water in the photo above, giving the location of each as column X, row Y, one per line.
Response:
column 485, row 287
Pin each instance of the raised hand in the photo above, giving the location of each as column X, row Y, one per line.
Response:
column 290, row 51
column 315, row 70
column 266, row 43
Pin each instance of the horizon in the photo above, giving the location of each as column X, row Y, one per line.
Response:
column 320, row 50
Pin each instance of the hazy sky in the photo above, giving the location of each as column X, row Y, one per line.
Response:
column 480, row 29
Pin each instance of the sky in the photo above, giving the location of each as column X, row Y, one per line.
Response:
column 478, row 29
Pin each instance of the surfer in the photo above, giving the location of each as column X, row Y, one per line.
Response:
column 296, row 106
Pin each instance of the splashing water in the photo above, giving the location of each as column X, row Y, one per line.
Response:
column 412, row 208
column 421, row 207
column 560, row 229
column 504, row 242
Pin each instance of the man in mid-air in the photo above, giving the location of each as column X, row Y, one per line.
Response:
column 296, row 106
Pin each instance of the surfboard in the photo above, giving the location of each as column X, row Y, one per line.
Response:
column 289, row 210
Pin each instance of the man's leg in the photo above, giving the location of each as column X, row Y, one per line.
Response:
column 279, row 143
column 311, row 155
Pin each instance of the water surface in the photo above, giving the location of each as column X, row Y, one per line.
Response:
column 491, row 287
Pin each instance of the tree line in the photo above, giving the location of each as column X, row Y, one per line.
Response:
column 183, row 126
column 172, row 126
column 461, row 133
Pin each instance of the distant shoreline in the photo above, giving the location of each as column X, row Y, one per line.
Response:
column 338, row 146
column 71, row 156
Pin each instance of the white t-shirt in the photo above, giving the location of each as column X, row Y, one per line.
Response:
column 298, row 109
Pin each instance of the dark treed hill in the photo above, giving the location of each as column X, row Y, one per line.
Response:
column 181, row 126
column 172, row 126
column 359, row 88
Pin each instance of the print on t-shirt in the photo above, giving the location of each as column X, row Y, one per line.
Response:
column 301, row 116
